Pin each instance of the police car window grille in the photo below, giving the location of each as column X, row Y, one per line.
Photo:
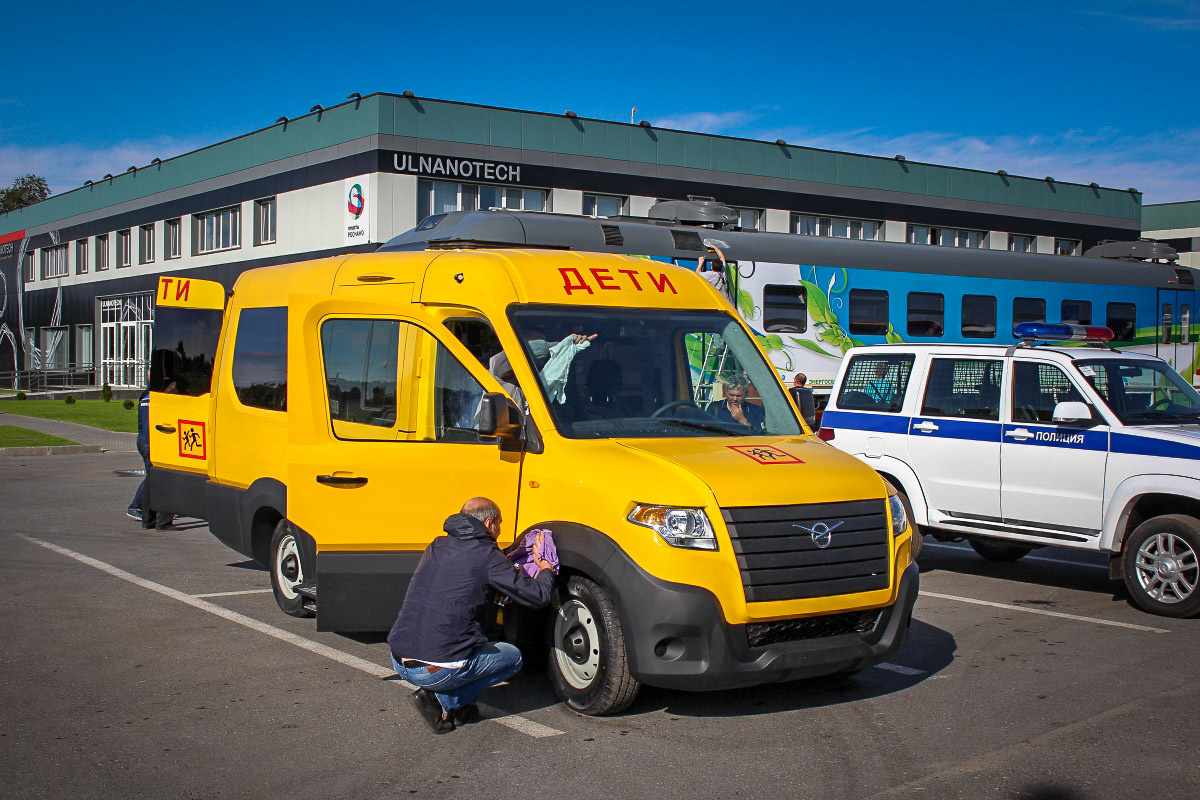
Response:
column 963, row 388
column 1037, row 388
column 875, row 383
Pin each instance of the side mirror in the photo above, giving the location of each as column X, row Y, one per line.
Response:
column 1072, row 411
column 499, row 416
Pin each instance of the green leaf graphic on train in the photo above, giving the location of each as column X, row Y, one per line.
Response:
column 773, row 343
column 825, row 320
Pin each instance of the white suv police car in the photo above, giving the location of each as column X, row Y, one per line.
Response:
column 1037, row 444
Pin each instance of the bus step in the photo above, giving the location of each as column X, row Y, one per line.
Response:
column 308, row 590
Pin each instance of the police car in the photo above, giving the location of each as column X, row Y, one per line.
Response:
column 1041, row 443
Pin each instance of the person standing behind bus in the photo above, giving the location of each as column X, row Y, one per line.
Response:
column 140, row 507
column 804, row 399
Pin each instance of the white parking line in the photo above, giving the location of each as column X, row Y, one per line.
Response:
column 899, row 668
column 514, row 721
column 232, row 594
column 1044, row 613
column 1059, row 561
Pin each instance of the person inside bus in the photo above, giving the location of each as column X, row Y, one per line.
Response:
column 437, row 642
column 734, row 408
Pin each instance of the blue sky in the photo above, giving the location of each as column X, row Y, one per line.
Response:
column 1084, row 91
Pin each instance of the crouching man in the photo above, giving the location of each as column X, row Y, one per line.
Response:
column 437, row 642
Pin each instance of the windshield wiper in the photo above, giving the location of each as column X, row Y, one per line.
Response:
column 701, row 426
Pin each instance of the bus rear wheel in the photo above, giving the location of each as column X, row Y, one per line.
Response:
column 588, row 664
column 288, row 571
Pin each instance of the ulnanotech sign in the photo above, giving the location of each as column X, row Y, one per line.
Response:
column 446, row 167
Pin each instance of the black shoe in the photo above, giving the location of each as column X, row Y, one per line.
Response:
column 432, row 712
column 465, row 715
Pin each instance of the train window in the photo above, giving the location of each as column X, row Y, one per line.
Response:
column 1028, row 309
column 1185, row 323
column 1077, row 312
column 926, row 314
column 1121, row 319
column 1166, row 323
column 785, row 309
column 978, row 316
column 868, row 311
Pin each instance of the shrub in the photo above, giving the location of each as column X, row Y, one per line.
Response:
column 106, row 393
column 129, row 404
column 20, row 395
column 69, row 399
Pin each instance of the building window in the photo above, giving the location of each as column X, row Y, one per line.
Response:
column 102, row 252
column 749, row 218
column 264, row 221
column 926, row 314
column 441, row 197
column 260, row 358
column 837, row 227
column 1121, row 319
column 601, row 205
column 945, row 237
column 217, row 230
column 84, row 346
column 56, row 344
column 1019, row 243
column 1077, row 312
column 123, row 249
column 785, row 309
column 172, row 239
column 30, row 266
column 54, row 261
column 1028, row 309
column 1066, row 247
column 33, row 356
column 868, row 312
column 81, row 257
column 978, row 316
column 146, row 244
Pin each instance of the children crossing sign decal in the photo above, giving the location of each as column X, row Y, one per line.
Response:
column 193, row 442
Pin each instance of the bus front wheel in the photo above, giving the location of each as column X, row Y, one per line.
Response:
column 588, row 664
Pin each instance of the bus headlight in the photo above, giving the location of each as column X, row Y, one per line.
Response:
column 679, row 527
column 899, row 518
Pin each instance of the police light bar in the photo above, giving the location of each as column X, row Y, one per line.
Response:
column 1062, row 332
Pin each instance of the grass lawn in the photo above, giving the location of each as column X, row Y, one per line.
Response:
column 97, row 413
column 12, row 436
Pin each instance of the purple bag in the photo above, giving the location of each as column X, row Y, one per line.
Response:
column 537, row 542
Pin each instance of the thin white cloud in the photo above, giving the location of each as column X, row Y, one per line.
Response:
column 1163, row 165
column 67, row 166
column 707, row 121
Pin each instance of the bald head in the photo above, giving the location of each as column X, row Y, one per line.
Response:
column 485, row 511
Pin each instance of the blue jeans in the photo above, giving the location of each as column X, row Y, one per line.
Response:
column 491, row 663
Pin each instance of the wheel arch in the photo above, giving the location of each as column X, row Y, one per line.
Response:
column 1141, row 497
column 903, row 478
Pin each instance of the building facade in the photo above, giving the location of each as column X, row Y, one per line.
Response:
column 79, row 269
column 1177, row 224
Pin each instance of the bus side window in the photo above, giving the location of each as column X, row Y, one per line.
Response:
column 785, row 309
column 1121, row 319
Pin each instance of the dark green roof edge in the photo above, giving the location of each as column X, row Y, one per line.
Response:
column 470, row 123
column 1171, row 216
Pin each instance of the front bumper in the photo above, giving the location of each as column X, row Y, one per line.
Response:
column 676, row 637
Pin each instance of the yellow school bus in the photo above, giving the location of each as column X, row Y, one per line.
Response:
column 326, row 417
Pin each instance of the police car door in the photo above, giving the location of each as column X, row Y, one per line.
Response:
column 1051, row 474
column 954, row 443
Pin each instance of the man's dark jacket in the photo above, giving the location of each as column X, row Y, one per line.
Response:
column 143, row 435
column 442, row 617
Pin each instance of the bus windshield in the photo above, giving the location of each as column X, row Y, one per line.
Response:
column 1142, row 392
column 641, row 373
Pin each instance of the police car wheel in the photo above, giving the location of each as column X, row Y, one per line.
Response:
column 1162, row 565
column 288, row 571
column 588, row 664
column 999, row 551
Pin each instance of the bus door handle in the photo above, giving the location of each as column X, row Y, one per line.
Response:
column 165, row 428
column 1020, row 434
column 346, row 481
column 925, row 427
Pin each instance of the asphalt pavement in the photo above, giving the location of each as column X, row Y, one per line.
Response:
column 144, row 664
